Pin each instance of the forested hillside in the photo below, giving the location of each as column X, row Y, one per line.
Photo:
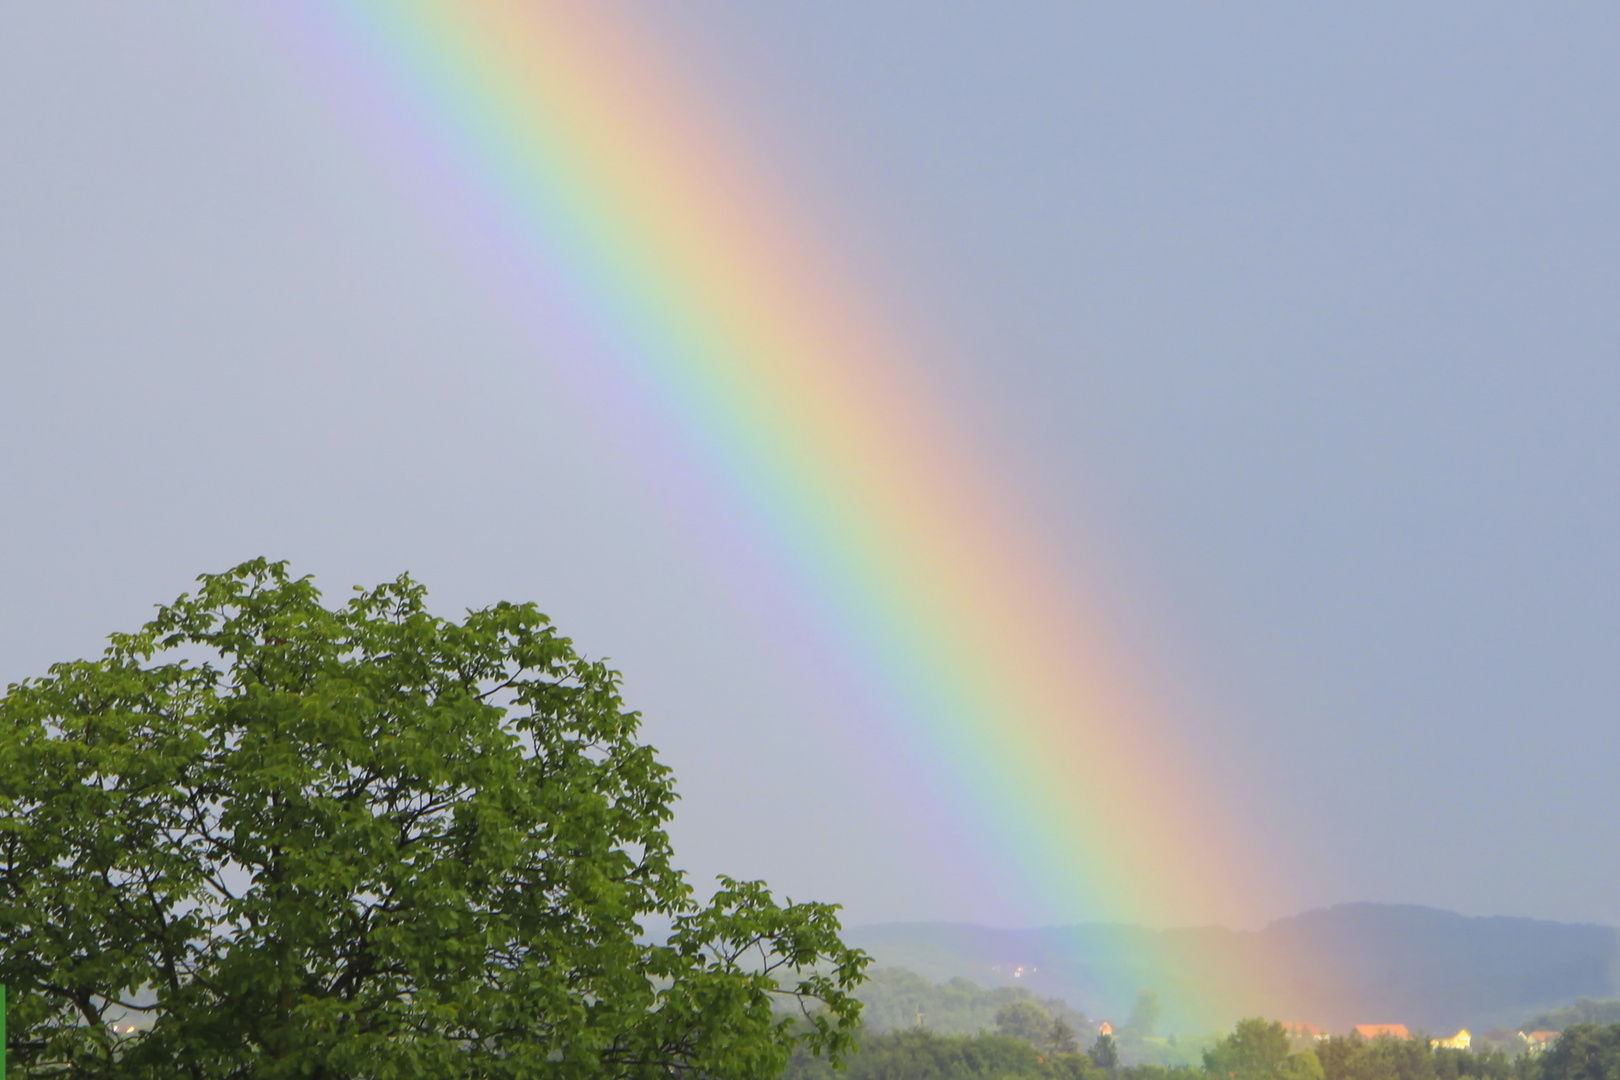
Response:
column 1355, row 963
column 1584, row 1011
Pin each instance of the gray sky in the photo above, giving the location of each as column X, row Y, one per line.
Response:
column 1300, row 320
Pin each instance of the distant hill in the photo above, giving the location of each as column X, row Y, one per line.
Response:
column 1355, row 963
column 1584, row 1011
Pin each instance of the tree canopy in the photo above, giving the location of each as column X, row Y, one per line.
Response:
column 362, row 841
column 895, row 999
column 1259, row 1050
column 1025, row 1020
column 1582, row 1052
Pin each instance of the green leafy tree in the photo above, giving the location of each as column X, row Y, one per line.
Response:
column 1337, row 1055
column 1073, row 1067
column 372, row 844
column 1387, row 1058
column 1025, row 1020
column 919, row 1054
column 1061, row 1039
column 1154, row 1071
column 1255, row 1050
column 1582, row 1052
column 1303, row 1065
column 1104, row 1053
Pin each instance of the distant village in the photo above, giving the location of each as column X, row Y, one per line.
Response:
column 1495, row 1039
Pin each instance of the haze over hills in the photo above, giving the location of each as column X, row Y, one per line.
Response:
column 1336, row 967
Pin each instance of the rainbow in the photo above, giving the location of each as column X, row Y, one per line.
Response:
column 567, row 152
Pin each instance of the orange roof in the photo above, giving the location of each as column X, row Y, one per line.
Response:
column 1542, row 1036
column 1383, row 1031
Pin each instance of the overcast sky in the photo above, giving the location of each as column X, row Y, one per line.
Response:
column 1300, row 322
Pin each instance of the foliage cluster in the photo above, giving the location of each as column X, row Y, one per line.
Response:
column 1351, row 1057
column 1582, row 1052
column 1255, row 1050
column 367, row 843
column 895, row 999
column 1261, row 1050
column 922, row 1055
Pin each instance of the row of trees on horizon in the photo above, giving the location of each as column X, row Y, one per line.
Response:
column 1256, row 1049
column 896, row 999
column 914, row 1028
